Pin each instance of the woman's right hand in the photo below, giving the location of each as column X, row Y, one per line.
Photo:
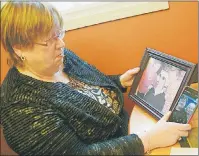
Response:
column 164, row 133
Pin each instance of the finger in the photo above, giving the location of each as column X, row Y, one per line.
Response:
column 183, row 133
column 182, row 127
column 166, row 116
column 185, row 127
column 134, row 70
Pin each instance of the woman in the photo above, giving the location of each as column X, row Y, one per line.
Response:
column 54, row 103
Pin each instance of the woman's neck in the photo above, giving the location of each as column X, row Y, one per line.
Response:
column 55, row 77
column 36, row 75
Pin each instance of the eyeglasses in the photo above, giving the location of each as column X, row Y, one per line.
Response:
column 58, row 35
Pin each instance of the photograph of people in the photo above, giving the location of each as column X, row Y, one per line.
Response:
column 190, row 109
column 156, row 94
column 179, row 114
column 176, row 76
column 169, row 78
column 149, row 77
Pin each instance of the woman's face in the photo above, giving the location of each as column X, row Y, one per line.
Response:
column 45, row 60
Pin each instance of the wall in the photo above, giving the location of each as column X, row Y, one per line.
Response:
column 114, row 47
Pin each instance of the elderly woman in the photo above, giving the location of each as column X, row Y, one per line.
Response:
column 54, row 103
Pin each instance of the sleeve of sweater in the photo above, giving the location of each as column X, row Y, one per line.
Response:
column 116, row 80
column 33, row 130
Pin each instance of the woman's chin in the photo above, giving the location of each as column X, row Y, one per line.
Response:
column 59, row 61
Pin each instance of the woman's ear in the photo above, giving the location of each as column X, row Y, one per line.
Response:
column 17, row 49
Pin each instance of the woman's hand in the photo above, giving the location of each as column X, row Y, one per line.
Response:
column 126, row 79
column 164, row 133
column 194, row 120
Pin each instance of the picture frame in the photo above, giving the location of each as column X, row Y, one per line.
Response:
column 160, row 81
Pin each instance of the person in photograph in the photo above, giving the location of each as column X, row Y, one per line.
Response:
column 149, row 77
column 190, row 109
column 176, row 76
column 182, row 103
column 179, row 114
column 156, row 94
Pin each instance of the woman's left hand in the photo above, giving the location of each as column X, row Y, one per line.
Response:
column 126, row 79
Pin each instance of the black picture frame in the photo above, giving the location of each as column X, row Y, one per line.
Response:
column 153, row 88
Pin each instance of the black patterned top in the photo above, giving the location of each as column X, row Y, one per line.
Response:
column 44, row 118
column 105, row 96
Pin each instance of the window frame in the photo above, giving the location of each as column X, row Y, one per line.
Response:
column 100, row 12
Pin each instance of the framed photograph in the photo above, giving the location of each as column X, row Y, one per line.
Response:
column 160, row 82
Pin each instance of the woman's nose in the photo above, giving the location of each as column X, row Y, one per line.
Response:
column 60, row 43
